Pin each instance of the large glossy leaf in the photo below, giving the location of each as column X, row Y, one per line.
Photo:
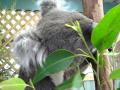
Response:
column 115, row 74
column 107, row 30
column 55, row 62
column 13, row 84
column 74, row 82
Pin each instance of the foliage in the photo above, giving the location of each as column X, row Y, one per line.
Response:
column 13, row 84
column 115, row 74
column 57, row 61
column 75, row 82
column 107, row 30
column 106, row 33
column 103, row 37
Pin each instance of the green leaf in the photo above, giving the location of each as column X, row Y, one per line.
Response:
column 13, row 84
column 55, row 62
column 75, row 82
column 115, row 74
column 118, row 88
column 66, row 84
column 107, row 30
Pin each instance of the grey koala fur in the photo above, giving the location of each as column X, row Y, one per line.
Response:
column 31, row 48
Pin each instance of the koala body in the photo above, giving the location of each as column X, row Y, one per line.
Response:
column 32, row 48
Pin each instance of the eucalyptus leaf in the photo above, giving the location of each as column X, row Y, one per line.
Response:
column 106, row 32
column 13, row 84
column 76, row 81
column 66, row 84
column 57, row 61
column 115, row 74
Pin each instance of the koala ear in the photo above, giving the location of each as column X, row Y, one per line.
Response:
column 47, row 5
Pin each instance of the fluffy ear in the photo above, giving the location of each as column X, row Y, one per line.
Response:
column 29, row 52
column 47, row 5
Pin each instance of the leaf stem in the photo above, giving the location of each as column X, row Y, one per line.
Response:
column 32, row 85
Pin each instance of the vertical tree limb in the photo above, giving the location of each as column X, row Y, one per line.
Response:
column 93, row 9
column 104, row 72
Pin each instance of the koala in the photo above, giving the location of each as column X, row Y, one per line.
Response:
column 31, row 48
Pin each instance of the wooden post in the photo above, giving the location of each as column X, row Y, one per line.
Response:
column 94, row 10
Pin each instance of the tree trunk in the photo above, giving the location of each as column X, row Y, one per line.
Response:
column 94, row 10
column 104, row 73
